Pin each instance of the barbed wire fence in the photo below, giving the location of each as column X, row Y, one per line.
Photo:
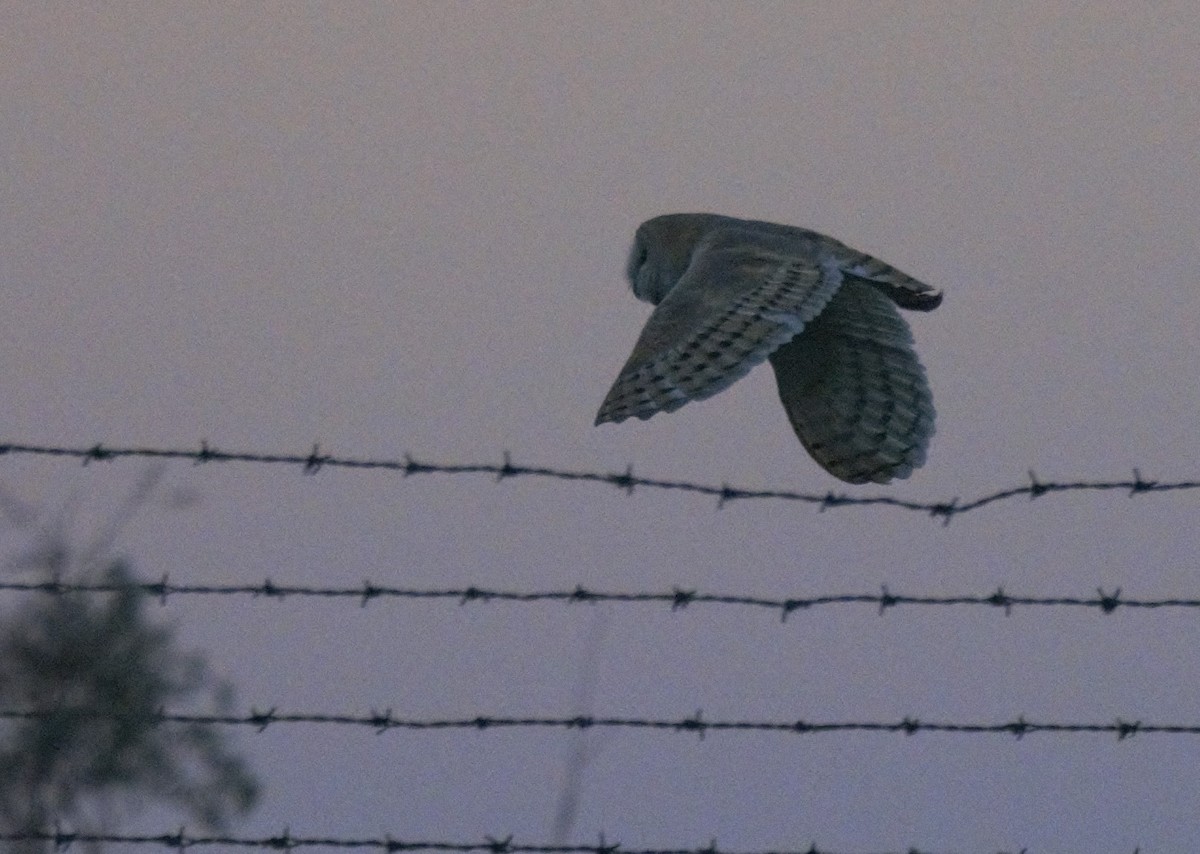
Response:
column 315, row 460
column 285, row 841
column 676, row 599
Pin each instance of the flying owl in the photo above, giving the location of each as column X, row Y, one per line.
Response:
column 730, row 293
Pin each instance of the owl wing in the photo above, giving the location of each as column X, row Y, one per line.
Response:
column 854, row 389
column 744, row 294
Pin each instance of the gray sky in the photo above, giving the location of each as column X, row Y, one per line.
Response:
column 401, row 228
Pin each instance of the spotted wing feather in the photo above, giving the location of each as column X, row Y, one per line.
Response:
column 742, row 297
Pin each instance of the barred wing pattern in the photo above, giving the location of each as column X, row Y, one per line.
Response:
column 854, row 389
column 732, row 293
column 695, row 345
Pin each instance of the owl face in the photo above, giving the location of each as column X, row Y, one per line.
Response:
column 662, row 250
column 654, row 267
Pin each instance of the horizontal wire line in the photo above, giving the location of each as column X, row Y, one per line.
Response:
column 315, row 460
column 678, row 598
column 384, row 721
column 286, row 841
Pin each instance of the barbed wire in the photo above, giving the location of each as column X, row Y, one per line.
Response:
column 678, row 598
column 384, row 721
column 286, row 841
column 315, row 460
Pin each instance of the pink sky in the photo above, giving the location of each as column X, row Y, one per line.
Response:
column 396, row 228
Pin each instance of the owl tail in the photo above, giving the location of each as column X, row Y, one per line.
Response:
column 854, row 390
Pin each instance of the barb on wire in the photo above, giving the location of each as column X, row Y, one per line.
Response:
column 313, row 461
column 385, row 720
column 677, row 599
column 286, row 841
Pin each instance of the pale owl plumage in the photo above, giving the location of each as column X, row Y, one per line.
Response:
column 731, row 293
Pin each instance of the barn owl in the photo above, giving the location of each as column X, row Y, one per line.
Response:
column 731, row 293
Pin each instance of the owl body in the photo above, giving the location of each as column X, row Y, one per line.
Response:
column 731, row 293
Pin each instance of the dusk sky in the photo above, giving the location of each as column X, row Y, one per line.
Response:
column 394, row 228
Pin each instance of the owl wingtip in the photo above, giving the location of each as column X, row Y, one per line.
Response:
column 924, row 301
column 616, row 413
column 606, row 415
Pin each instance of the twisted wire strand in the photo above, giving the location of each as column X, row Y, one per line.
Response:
column 677, row 599
column 315, row 460
column 697, row 724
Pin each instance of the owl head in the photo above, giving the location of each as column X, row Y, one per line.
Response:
column 663, row 249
